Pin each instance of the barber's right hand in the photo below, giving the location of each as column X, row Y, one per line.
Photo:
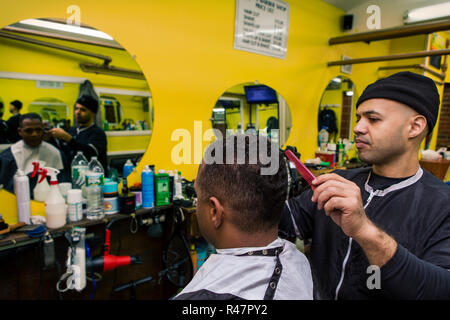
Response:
column 341, row 200
column 59, row 133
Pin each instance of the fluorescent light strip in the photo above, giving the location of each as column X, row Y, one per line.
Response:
column 66, row 28
column 437, row 11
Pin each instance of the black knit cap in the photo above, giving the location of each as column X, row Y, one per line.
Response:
column 88, row 102
column 416, row 91
column 17, row 104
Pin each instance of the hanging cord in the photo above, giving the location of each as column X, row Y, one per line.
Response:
column 58, row 275
column 115, row 270
column 88, row 255
column 134, row 224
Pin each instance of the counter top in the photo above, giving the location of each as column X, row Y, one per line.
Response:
column 20, row 238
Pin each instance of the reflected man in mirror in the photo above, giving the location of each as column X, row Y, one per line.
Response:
column 86, row 136
column 30, row 148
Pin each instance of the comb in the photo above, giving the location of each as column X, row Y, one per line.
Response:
column 301, row 168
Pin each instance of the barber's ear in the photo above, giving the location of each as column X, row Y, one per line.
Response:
column 215, row 212
column 417, row 125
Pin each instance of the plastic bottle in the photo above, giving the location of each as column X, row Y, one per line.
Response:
column 178, row 185
column 94, row 190
column 340, row 152
column 162, row 188
column 42, row 188
column 148, row 192
column 74, row 205
column 127, row 169
column 79, row 167
column 55, row 206
column 323, row 138
column 171, row 186
column 22, row 192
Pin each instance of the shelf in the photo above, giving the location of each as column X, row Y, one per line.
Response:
column 18, row 238
column 127, row 133
column 391, row 33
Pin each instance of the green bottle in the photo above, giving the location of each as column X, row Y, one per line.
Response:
column 162, row 188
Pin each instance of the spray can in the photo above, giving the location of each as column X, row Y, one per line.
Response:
column 22, row 192
column 148, row 193
column 127, row 169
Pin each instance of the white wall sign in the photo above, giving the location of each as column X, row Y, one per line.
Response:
column 262, row 27
column 49, row 84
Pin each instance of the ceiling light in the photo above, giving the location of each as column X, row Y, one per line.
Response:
column 429, row 13
column 67, row 28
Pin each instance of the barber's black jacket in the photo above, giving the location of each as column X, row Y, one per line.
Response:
column 91, row 141
column 417, row 216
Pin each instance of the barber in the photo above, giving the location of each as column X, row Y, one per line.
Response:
column 86, row 136
column 381, row 231
column 13, row 122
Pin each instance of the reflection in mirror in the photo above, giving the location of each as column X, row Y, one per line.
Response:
column 71, row 62
column 252, row 108
column 3, row 127
column 54, row 112
column 335, row 109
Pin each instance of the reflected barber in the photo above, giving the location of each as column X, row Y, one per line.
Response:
column 86, row 136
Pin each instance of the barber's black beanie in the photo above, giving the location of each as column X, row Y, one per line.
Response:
column 416, row 91
column 17, row 104
column 88, row 102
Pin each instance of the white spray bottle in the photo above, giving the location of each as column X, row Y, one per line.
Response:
column 42, row 188
column 55, row 206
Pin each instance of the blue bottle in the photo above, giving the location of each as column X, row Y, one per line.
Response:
column 127, row 169
column 148, row 194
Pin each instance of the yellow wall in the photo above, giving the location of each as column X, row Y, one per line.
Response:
column 185, row 49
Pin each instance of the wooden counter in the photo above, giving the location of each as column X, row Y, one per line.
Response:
column 438, row 168
column 24, row 278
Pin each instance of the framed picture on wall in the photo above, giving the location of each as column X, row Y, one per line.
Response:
column 346, row 68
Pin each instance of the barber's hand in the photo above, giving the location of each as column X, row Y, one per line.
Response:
column 59, row 133
column 341, row 200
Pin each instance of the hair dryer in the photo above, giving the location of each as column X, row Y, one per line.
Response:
column 107, row 261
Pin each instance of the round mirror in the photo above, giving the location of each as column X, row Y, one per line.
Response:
column 336, row 109
column 73, row 61
column 252, row 108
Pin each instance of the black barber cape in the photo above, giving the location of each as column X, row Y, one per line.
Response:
column 414, row 211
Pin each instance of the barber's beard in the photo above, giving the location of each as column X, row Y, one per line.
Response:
column 385, row 152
